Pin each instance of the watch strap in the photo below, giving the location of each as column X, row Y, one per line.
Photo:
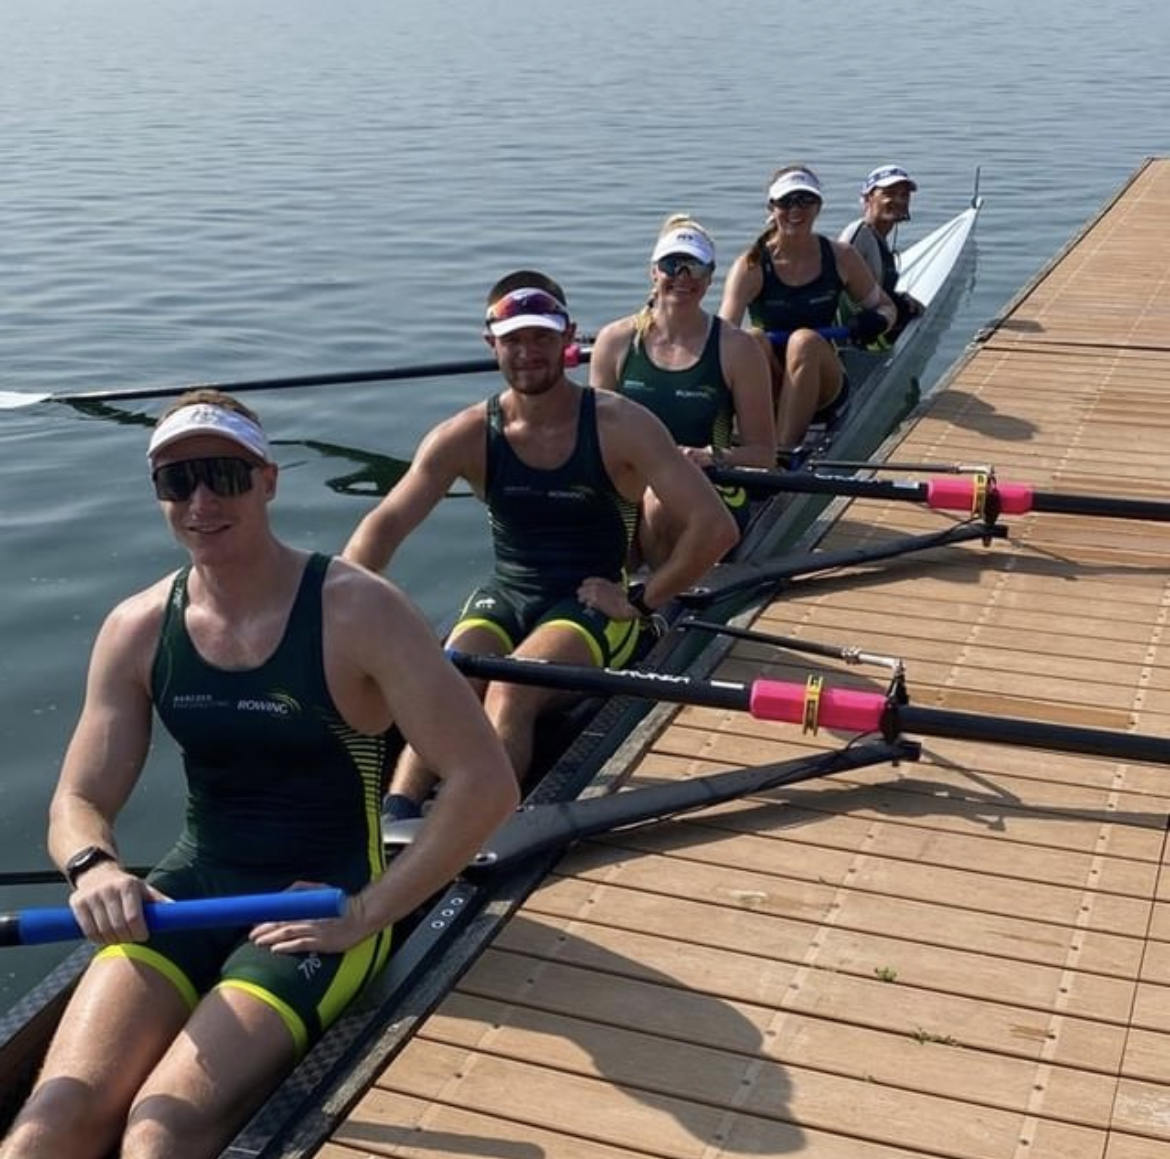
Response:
column 85, row 859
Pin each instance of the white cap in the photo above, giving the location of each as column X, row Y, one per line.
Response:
column 684, row 241
column 794, row 181
column 886, row 175
column 527, row 306
column 207, row 419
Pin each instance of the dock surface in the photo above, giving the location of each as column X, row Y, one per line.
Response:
column 964, row 957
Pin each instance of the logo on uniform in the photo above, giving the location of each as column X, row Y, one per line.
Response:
column 275, row 703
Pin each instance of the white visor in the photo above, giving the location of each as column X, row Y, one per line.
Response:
column 794, row 181
column 207, row 419
column 684, row 241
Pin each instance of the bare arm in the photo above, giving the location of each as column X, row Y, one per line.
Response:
column 861, row 285
column 747, row 373
column 639, row 450
column 743, row 284
column 609, row 351
column 388, row 639
column 452, row 450
column 102, row 765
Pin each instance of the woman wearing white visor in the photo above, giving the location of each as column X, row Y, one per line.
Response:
column 790, row 282
column 707, row 381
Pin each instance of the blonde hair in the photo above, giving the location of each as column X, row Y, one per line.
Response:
column 208, row 396
column 644, row 319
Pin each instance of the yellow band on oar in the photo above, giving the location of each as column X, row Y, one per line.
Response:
column 979, row 486
column 812, row 704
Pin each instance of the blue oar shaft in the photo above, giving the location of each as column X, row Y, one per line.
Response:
column 40, row 924
column 832, row 333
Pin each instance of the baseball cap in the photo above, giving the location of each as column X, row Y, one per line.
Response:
column 886, row 175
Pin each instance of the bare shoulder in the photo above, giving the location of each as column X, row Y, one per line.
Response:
column 127, row 641
column 617, row 331
column 616, row 414
column 457, row 431
column 609, row 352
column 138, row 618
column 357, row 597
column 632, row 440
column 737, row 340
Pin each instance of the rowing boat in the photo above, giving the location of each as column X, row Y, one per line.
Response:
column 440, row 942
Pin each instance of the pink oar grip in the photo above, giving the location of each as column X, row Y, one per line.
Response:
column 958, row 494
column 838, row 708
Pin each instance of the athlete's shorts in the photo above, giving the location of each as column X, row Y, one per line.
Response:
column 737, row 501
column 308, row 991
column 512, row 616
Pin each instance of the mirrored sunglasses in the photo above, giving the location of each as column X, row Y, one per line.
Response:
column 521, row 302
column 222, row 475
column 672, row 265
column 801, row 200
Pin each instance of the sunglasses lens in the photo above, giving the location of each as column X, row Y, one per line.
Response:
column 223, row 476
column 675, row 264
column 797, row 201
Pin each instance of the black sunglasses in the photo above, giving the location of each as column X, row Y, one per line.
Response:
column 222, row 475
column 796, row 201
column 674, row 264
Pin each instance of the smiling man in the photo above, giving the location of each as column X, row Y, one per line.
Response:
column 278, row 673
column 561, row 468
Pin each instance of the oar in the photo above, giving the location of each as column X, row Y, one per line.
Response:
column 849, row 654
column 980, row 495
column 52, row 876
column 57, row 924
column 816, row 707
column 832, row 333
column 727, row 579
column 554, row 824
column 12, row 399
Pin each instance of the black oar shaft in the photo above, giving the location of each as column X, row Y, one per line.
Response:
column 606, row 681
column 418, row 370
column 811, row 483
column 817, row 707
column 1061, row 738
column 1110, row 507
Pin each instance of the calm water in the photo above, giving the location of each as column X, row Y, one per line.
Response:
column 199, row 190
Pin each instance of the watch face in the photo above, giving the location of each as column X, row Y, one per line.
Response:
column 85, row 859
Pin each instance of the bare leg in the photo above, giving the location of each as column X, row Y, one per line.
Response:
column 514, row 708
column 233, row 1052
column 412, row 777
column 119, row 1023
column 812, row 378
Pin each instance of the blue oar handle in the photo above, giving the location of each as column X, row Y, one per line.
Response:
column 832, row 333
column 57, row 924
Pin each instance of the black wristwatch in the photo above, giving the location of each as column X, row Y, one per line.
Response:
column 634, row 597
column 85, row 859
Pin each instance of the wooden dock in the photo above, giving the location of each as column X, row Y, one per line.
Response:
column 968, row 956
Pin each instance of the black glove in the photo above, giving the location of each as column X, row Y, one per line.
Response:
column 866, row 326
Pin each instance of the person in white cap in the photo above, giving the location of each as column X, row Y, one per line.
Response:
column 885, row 202
column 706, row 380
column 278, row 673
column 790, row 281
column 561, row 468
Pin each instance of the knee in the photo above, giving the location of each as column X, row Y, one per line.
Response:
column 63, row 1117
column 805, row 346
column 149, row 1135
